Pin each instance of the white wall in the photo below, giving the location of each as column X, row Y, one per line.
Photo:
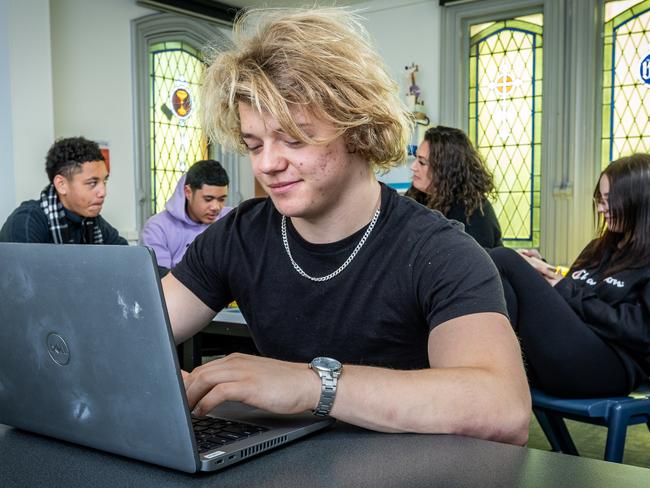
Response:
column 26, row 125
column 405, row 32
column 93, row 90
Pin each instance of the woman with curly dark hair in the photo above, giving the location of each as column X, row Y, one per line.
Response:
column 450, row 176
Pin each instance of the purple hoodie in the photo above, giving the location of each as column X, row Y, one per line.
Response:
column 170, row 232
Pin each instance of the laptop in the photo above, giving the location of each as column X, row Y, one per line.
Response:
column 87, row 356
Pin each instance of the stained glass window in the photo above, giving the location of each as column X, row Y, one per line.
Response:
column 626, row 79
column 505, row 115
column 177, row 139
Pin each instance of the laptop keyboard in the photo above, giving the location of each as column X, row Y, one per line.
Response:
column 211, row 432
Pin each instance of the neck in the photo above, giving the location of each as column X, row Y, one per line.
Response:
column 354, row 210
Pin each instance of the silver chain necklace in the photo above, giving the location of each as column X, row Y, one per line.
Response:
column 343, row 266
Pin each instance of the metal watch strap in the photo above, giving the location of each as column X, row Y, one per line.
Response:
column 327, row 393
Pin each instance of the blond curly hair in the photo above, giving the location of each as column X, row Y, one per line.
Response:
column 321, row 60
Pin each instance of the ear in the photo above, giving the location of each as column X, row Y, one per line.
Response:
column 60, row 183
column 188, row 191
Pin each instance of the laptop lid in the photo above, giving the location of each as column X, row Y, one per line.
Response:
column 87, row 355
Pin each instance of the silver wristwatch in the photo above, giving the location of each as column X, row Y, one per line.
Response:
column 329, row 370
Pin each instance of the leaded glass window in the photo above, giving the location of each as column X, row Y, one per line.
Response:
column 626, row 79
column 177, row 139
column 505, row 115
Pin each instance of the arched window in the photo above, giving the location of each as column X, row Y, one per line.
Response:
column 169, row 136
column 176, row 137
column 504, row 118
column 626, row 79
column 547, row 105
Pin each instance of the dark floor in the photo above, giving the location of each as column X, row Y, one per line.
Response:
column 590, row 441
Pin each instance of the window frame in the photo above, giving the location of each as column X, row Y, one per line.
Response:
column 147, row 31
column 571, row 122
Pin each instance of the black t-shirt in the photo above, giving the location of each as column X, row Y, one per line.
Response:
column 415, row 271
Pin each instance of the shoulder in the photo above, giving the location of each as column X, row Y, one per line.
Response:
column 488, row 211
column 29, row 209
column 153, row 229
column 457, row 212
column 27, row 223
column 159, row 220
column 414, row 222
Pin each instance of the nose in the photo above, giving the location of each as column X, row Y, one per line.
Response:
column 101, row 190
column 414, row 166
column 217, row 206
column 601, row 206
column 270, row 159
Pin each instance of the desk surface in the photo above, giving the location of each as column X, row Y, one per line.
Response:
column 342, row 456
column 230, row 315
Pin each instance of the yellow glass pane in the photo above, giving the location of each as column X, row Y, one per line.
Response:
column 613, row 8
column 177, row 140
column 505, row 120
column 537, row 19
column 626, row 97
column 474, row 29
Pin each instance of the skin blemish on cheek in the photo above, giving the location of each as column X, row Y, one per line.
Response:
column 324, row 160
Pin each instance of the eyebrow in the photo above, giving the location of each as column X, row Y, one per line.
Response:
column 279, row 130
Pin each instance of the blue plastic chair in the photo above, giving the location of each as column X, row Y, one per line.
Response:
column 615, row 413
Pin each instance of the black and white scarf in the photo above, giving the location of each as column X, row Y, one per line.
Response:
column 58, row 222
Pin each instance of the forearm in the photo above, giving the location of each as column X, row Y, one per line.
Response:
column 469, row 401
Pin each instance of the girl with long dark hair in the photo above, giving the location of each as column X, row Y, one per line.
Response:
column 588, row 334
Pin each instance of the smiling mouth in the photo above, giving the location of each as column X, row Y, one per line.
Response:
column 282, row 187
column 282, row 184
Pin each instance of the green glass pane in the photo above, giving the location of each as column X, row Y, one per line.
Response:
column 626, row 104
column 177, row 140
column 505, row 121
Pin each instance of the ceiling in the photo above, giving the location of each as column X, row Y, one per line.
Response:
column 225, row 10
column 289, row 3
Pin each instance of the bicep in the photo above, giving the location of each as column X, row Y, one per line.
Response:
column 484, row 340
column 187, row 313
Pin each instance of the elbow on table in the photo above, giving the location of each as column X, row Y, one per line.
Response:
column 508, row 423
column 513, row 421
column 515, row 428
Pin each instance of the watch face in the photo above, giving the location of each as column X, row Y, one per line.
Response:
column 328, row 364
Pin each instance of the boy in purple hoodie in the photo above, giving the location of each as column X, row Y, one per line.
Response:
column 198, row 201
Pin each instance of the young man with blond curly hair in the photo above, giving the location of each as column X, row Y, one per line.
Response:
column 364, row 305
